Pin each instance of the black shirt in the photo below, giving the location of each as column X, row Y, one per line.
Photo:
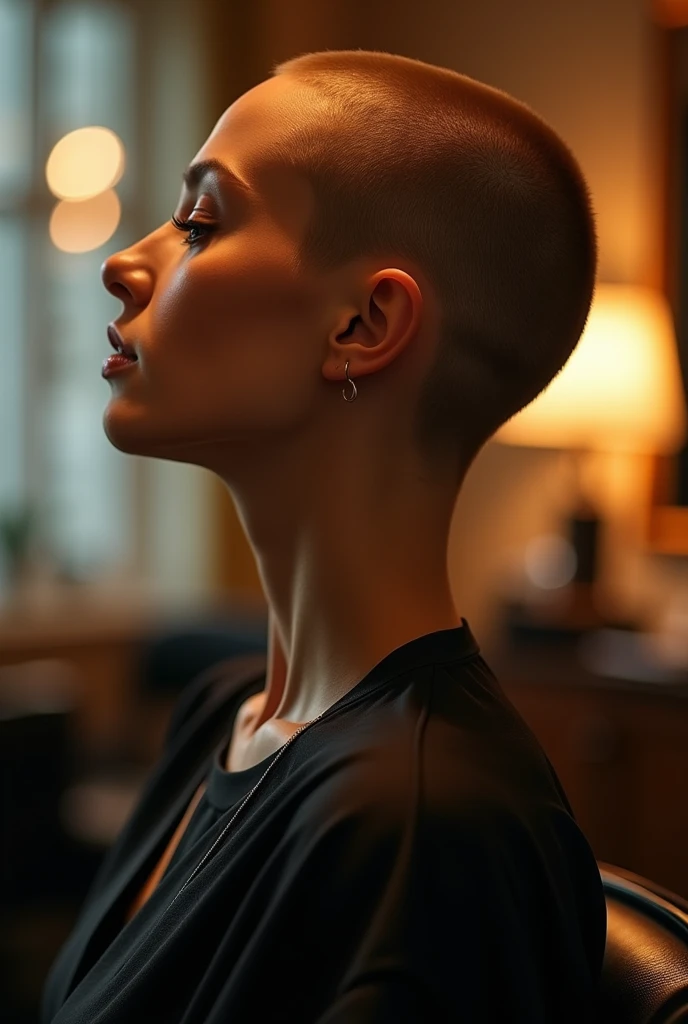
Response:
column 411, row 857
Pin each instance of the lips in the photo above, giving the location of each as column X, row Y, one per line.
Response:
column 119, row 344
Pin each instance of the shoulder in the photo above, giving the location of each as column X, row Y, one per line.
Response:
column 381, row 784
column 454, row 796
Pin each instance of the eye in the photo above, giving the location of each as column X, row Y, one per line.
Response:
column 192, row 225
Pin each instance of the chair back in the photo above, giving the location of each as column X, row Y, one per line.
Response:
column 645, row 970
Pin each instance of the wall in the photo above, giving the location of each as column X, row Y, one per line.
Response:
column 592, row 71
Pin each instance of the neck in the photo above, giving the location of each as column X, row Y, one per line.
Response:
column 343, row 614
column 351, row 548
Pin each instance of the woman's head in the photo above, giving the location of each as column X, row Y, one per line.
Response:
column 473, row 187
column 426, row 227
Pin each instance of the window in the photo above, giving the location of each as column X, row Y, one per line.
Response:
column 67, row 65
column 16, row 100
column 56, row 74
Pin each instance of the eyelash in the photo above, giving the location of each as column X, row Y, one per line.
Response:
column 192, row 225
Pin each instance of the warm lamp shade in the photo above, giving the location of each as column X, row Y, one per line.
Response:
column 621, row 390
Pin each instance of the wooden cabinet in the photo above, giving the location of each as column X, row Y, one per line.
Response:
column 620, row 750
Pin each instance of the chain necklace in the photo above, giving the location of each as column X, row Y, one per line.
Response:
column 245, row 801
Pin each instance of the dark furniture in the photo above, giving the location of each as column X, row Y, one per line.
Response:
column 620, row 749
column 645, row 972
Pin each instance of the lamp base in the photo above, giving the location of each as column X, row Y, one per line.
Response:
column 583, row 529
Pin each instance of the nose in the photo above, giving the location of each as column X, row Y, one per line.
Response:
column 127, row 278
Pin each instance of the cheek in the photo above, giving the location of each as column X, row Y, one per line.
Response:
column 232, row 336
column 213, row 299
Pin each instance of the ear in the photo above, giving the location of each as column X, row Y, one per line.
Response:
column 389, row 318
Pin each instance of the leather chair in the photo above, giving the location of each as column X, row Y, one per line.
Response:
column 645, row 970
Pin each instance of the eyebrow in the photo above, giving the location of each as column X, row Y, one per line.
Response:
column 195, row 173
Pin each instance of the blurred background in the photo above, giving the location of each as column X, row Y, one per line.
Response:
column 122, row 578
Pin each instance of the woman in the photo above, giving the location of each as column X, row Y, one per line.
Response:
column 363, row 829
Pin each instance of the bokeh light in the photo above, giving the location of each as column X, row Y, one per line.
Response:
column 84, row 163
column 86, row 225
column 550, row 561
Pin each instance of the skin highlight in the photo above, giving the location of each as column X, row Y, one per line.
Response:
column 241, row 368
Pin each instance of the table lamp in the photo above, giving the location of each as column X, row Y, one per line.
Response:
column 620, row 391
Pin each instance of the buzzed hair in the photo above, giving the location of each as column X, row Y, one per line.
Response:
column 481, row 194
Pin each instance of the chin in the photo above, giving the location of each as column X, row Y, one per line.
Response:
column 128, row 445
column 123, row 434
column 129, row 441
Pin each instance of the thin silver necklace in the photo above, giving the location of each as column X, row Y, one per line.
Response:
column 245, row 801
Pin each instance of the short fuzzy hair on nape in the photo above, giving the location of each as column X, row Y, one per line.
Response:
column 477, row 190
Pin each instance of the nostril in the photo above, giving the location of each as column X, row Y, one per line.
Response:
column 126, row 278
column 119, row 291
